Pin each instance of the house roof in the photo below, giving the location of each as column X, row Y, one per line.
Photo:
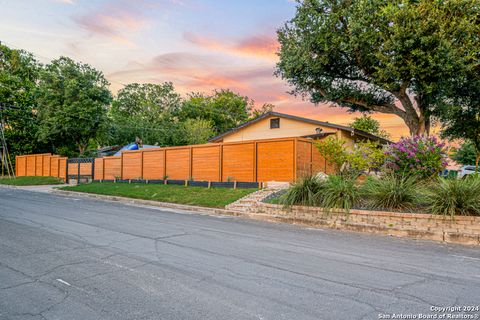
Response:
column 312, row 121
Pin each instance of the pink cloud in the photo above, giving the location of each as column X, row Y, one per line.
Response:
column 117, row 21
column 204, row 73
column 260, row 46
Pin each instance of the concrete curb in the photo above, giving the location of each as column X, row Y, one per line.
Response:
column 197, row 209
column 153, row 203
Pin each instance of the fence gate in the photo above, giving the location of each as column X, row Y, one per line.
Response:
column 80, row 169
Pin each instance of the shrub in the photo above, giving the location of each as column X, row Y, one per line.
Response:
column 339, row 193
column 418, row 155
column 303, row 192
column 391, row 192
column 366, row 156
column 333, row 150
column 454, row 196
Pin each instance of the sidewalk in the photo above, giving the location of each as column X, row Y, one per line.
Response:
column 42, row 188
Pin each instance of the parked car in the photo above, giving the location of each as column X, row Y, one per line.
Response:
column 465, row 170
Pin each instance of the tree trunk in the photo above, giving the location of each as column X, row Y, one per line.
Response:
column 82, row 148
column 477, row 161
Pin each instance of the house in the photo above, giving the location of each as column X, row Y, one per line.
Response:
column 274, row 125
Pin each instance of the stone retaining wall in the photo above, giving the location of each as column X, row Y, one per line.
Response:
column 460, row 229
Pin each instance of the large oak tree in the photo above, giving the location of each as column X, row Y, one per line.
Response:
column 379, row 56
column 72, row 104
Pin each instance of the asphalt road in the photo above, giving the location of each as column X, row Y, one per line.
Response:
column 77, row 258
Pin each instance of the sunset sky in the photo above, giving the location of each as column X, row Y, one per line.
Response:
column 198, row 45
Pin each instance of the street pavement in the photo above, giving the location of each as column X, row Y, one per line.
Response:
column 78, row 258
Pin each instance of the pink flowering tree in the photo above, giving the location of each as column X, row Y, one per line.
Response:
column 423, row 156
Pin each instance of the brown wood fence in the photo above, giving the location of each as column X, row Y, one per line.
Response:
column 44, row 164
column 284, row 159
column 248, row 161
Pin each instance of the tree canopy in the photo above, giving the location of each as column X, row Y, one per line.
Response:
column 72, row 103
column 382, row 56
column 459, row 112
column 224, row 108
column 145, row 111
column 368, row 124
column 466, row 154
column 19, row 72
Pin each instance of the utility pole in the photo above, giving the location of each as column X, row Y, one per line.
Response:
column 6, row 163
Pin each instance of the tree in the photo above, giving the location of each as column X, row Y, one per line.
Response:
column 72, row 103
column 333, row 150
column 370, row 125
column 381, row 56
column 258, row 112
column 459, row 112
column 19, row 72
column 145, row 111
column 224, row 108
column 466, row 154
column 197, row 131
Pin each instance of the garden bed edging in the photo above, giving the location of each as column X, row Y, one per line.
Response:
column 459, row 229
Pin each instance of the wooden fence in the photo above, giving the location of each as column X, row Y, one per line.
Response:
column 248, row 161
column 44, row 164
column 285, row 159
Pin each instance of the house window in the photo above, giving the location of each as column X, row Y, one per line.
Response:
column 275, row 123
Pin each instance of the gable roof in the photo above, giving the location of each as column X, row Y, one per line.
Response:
column 307, row 120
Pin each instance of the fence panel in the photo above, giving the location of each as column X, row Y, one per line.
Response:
column 46, row 166
column 31, row 166
column 112, row 168
column 153, row 164
column 238, row 162
column 276, row 160
column 206, row 163
column 132, row 165
column 21, row 166
column 178, row 163
column 39, row 165
column 62, row 168
column 54, row 166
column 98, row 172
column 304, row 158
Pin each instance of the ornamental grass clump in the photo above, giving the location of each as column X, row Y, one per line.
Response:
column 340, row 193
column 304, row 192
column 422, row 156
column 454, row 196
column 391, row 192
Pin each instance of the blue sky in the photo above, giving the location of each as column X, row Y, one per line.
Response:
column 198, row 45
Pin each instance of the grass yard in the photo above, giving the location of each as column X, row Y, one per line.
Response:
column 198, row 196
column 30, row 181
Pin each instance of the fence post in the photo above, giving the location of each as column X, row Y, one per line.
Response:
column 78, row 173
column 66, row 171
column 93, row 169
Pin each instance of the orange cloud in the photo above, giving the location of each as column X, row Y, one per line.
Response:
column 204, row 73
column 260, row 46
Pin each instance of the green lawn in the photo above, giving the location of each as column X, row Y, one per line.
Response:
column 30, row 181
column 198, row 196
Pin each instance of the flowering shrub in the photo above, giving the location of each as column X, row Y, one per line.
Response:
column 419, row 155
column 366, row 156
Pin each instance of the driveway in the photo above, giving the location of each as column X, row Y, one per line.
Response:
column 77, row 258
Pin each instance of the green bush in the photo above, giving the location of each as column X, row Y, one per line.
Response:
column 304, row 192
column 339, row 193
column 391, row 193
column 454, row 196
